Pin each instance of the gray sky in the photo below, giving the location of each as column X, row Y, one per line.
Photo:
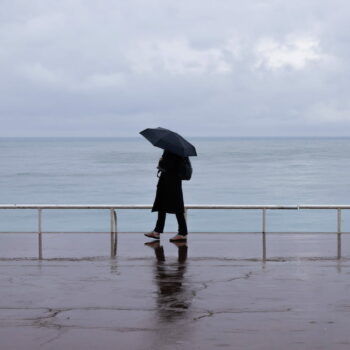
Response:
column 200, row 67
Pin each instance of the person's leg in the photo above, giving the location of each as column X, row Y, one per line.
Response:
column 160, row 222
column 182, row 224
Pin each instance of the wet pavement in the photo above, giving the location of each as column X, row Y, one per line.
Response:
column 216, row 292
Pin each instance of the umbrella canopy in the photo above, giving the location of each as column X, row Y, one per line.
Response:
column 169, row 141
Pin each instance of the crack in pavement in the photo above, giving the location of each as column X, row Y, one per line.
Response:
column 244, row 277
column 210, row 313
column 51, row 309
column 206, row 283
column 42, row 320
column 49, row 314
column 114, row 329
column 48, row 320
column 60, row 333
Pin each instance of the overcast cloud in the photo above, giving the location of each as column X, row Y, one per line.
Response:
column 221, row 67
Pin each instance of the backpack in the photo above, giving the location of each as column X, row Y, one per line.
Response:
column 186, row 169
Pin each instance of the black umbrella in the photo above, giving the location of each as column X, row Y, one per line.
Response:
column 169, row 141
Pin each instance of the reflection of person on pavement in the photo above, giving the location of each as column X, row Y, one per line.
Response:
column 173, row 296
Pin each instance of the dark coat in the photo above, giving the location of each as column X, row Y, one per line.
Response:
column 169, row 197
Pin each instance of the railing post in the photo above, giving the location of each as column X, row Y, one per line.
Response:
column 264, row 220
column 115, row 221
column 185, row 214
column 339, row 220
column 113, row 218
column 115, row 233
column 264, row 246
column 339, row 233
column 40, row 243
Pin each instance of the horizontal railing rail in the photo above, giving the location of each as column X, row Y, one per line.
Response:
column 114, row 207
column 142, row 206
column 188, row 206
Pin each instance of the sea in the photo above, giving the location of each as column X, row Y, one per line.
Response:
column 278, row 171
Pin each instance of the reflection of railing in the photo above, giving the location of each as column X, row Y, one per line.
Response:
column 113, row 215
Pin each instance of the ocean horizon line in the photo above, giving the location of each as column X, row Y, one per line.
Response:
column 139, row 137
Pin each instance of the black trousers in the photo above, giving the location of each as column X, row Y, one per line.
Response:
column 180, row 220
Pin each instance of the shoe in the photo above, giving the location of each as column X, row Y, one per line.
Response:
column 153, row 234
column 178, row 238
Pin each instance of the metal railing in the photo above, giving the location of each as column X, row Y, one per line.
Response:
column 114, row 207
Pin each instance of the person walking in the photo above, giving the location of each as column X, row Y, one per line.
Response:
column 174, row 166
column 169, row 196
